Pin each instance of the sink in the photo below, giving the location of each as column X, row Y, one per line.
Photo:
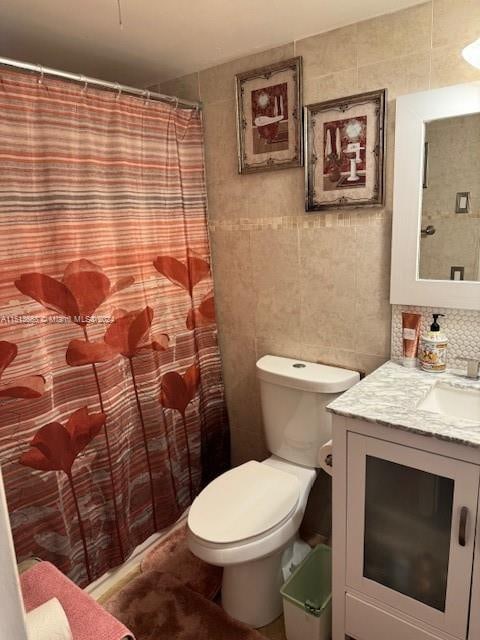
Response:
column 452, row 401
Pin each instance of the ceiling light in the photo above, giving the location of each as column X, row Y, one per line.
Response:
column 471, row 53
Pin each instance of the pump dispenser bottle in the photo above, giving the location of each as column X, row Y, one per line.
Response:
column 432, row 353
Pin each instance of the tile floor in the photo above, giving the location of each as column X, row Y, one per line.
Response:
column 275, row 630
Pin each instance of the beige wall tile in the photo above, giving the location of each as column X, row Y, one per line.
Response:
column 275, row 193
column 455, row 22
column 448, row 67
column 227, row 198
column 395, row 35
column 283, row 345
column 233, row 281
column 218, row 83
column 247, row 445
column 327, row 321
column 275, row 271
column 342, row 358
column 238, row 359
column 220, row 141
column 186, row 87
column 328, row 52
column 327, row 87
column 373, row 248
column 372, row 326
column 327, row 261
column 401, row 75
column 242, row 394
column 368, row 363
column 327, row 283
column 334, row 356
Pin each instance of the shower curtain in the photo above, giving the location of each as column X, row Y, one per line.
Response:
column 112, row 412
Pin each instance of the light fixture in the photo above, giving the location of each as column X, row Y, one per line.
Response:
column 471, row 53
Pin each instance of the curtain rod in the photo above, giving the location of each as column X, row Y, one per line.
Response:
column 112, row 86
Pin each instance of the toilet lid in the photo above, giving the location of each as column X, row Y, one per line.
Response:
column 243, row 502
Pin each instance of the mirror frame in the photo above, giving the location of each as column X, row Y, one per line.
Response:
column 412, row 112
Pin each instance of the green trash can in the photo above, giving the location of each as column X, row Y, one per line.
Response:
column 307, row 597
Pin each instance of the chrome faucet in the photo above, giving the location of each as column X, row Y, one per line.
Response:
column 473, row 366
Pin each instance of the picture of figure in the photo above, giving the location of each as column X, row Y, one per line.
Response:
column 270, row 118
column 344, row 153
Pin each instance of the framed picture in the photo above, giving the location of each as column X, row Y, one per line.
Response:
column 269, row 117
column 345, row 150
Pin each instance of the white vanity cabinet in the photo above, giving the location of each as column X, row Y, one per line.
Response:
column 404, row 529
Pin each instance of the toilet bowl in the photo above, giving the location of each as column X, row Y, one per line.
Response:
column 247, row 519
column 259, row 508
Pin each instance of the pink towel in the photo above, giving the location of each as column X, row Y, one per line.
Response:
column 88, row 620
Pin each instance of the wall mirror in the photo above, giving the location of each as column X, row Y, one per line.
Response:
column 436, row 208
column 450, row 224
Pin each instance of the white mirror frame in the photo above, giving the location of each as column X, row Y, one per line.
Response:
column 412, row 112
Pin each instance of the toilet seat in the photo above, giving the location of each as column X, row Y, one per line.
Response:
column 243, row 503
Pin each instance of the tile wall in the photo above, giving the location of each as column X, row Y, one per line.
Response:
column 461, row 326
column 312, row 285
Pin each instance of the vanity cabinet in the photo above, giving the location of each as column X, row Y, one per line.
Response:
column 404, row 529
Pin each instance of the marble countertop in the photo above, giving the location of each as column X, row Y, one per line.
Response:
column 390, row 395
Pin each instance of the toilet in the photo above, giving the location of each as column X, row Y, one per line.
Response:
column 247, row 519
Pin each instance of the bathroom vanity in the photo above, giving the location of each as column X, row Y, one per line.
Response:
column 406, row 525
column 406, row 443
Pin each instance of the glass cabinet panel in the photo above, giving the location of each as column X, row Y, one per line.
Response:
column 411, row 518
column 408, row 520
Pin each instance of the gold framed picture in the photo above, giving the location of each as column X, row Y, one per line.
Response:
column 269, row 117
column 345, row 152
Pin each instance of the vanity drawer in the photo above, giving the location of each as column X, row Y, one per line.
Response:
column 364, row 621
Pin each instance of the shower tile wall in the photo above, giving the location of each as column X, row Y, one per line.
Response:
column 312, row 286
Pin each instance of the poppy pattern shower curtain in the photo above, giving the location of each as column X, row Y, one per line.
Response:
column 112, row 412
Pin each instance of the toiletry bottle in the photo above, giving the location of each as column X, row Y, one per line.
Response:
column 433, row 348
column 410, row 333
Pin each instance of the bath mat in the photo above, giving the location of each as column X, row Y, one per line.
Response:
column 87, row 619
column 173, row 556
column 157, row 605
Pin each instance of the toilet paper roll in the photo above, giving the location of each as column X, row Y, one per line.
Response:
column 48, row 622
column 325, row 458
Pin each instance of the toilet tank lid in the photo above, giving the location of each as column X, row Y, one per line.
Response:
column 305, row 376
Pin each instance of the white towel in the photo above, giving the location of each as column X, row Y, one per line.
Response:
column 48, row 622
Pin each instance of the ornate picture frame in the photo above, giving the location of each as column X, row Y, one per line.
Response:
column 345, row 152
column 269, row 117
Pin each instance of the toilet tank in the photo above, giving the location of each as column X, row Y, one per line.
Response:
column 294, row 395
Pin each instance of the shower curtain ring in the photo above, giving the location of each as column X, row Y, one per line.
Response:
column 118, row 87
column 83, row 79
column 146, row 94
column 41, row 72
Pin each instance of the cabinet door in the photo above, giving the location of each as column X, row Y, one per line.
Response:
column 410, row 530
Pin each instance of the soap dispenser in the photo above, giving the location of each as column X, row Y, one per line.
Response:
column 433, row 348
